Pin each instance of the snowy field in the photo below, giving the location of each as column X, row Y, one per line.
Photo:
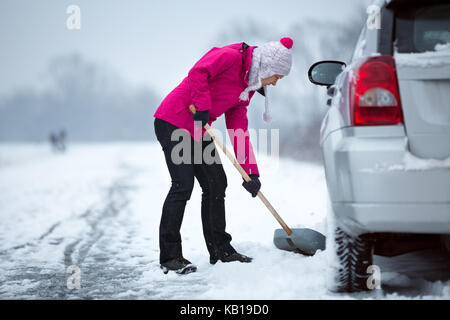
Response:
column 98, row 207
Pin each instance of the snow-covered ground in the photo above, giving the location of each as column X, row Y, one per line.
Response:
column 98, row 207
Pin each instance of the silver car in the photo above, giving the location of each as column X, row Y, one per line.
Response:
column 386, row 140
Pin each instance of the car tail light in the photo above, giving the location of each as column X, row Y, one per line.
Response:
column 374, row 93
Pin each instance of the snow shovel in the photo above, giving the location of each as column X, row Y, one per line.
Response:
column 304, row 241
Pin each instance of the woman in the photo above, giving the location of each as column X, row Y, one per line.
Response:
column 223, row 81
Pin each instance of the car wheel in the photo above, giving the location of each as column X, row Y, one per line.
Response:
column 348, row 265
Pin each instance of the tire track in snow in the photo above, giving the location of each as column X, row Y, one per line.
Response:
column 98, row 222
column 49, row 231
column 35, row 243
column 51, row 282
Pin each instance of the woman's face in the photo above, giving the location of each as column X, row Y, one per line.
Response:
column 271, row 80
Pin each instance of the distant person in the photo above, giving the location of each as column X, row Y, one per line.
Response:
column 62, row 140
column 222, row 82
column 58, row 141
column 53, row 139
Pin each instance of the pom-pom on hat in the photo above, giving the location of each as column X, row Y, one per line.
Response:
column 271, row 58
column 287, row 42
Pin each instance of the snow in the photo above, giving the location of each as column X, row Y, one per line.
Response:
column 442, row 47
column 413, row 163
column 439, row 57
column 410, row 162
column 98, row 207
column 380, row 3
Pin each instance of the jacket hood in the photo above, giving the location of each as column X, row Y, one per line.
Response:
column 247, row 57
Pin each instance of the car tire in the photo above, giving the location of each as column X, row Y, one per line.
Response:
column 348, row 265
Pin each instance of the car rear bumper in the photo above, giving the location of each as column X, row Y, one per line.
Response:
column 362, row 218
column 376, row 184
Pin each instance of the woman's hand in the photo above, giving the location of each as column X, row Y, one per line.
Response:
column 202, row 116
column 253, row 185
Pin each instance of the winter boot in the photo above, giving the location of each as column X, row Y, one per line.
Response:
column 179, row 265
column 227, row 257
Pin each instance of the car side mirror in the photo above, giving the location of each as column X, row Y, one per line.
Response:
column 324, row 73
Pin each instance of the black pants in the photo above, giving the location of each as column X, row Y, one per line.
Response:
column 213, row 182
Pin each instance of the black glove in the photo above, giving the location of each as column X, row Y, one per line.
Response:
column 202, row 116
column 253, row 185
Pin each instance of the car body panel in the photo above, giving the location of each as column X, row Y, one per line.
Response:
column 363, row 218
column 370, row 184
column 424, row 82
column 370, row 168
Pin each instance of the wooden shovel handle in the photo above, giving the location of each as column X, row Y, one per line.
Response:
column 244, row 174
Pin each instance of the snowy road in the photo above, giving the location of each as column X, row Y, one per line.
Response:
column 97, row 207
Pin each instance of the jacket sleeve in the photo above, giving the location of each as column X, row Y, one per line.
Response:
column 237, row 124
column 214, row 62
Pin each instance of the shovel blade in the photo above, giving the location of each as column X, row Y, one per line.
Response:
column 304, row 241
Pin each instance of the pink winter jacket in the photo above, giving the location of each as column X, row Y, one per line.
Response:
column 215, row 83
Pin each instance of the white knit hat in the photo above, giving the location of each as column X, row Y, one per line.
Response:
column 267, row 60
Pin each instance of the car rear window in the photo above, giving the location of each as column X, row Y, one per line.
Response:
column 420, row 29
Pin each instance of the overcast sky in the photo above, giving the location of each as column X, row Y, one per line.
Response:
column 149, row 42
